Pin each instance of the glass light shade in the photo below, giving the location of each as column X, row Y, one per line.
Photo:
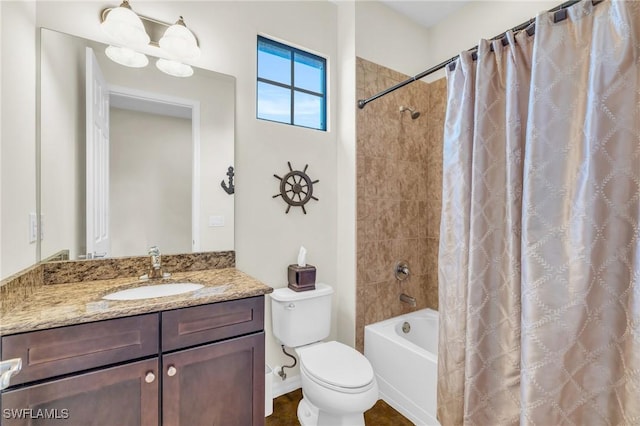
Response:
column 124, row 27
column 174, row 68
column 127, row 57
column 180, row 43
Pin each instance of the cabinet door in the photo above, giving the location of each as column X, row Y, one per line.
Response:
column 217, row 384
column 123, row 395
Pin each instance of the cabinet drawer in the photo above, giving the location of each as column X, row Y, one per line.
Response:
column 63, row 350
column 207, row 323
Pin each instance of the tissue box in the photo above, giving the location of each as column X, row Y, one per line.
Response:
column 302, row 278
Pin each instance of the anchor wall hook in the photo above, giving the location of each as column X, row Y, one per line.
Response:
column 230, row 189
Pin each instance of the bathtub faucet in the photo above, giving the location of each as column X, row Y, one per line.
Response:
column 408, row 299
column 401, row 270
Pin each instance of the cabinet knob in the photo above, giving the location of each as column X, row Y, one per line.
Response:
column 171, row 371
column 149, row 377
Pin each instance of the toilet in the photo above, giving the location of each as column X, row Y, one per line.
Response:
column 338, row 384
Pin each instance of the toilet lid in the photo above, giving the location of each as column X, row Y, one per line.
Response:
column 337, row 364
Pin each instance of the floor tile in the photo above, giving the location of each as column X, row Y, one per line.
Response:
column 285, row 412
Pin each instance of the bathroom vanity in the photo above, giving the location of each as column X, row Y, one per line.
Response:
column 202, row 365
column 190, row 359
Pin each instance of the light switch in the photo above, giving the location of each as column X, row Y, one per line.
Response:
column 215, row 221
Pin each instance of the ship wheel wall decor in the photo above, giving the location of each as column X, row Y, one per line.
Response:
column 296, row 188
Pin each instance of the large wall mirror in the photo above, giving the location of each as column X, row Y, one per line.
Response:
column 147, row 171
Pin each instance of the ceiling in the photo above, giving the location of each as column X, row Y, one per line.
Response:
column 425, row 12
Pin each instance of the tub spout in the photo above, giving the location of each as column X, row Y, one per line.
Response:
column 408, row 299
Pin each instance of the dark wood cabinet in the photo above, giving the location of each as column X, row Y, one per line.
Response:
column 125, row 395
column 217, row 384
column 182, row 328
column 208, row 370
column 58, row 351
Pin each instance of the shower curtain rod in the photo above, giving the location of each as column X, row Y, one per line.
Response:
column 560, row 14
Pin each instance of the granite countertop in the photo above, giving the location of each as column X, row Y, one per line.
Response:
column 80, row 302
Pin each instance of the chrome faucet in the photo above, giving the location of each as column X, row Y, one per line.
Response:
column 408, row 299
column 156, row 258
column 401, row 270
column 156, row 265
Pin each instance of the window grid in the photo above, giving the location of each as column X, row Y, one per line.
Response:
column 292, row 87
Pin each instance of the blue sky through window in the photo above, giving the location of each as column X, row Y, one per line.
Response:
column 301, row 102
column 274, row 63
column 274, row 103
column 309, row 73
column 308, row 111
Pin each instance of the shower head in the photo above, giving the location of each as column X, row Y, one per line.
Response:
column 414, row 114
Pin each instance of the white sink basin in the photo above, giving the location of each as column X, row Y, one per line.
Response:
column 156, row 290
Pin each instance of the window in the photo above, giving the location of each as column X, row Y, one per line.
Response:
column 292, row 85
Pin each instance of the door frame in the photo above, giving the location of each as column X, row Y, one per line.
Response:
column 96, row 159
column 194, row 106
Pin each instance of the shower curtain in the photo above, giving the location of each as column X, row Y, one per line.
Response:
column 539, row 261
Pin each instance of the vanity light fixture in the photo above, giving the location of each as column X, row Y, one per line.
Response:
column 124, row 26
column 129, row 32
column 127, row 57
column 180, row 43
column 174, row 68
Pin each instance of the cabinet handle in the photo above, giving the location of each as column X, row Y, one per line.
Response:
column 171, row 371
column 149, row 377
column 9, row 368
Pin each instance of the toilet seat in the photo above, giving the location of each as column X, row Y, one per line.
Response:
column 337, row 366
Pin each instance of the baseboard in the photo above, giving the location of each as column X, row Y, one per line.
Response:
column 280, row 387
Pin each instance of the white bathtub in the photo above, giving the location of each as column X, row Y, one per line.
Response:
column 406, row 364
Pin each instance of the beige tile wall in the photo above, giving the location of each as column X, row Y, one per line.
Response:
column 399, row 180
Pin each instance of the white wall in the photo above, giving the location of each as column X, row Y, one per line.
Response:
column 1, row 90
column 18, row 171
column 346, row 161
column 389, row 38
column 267, row 239
column 150, row 165
column 1, row 275
column 62, row 144
column 479, row 19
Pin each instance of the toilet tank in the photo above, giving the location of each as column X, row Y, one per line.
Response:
column 301, row 317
